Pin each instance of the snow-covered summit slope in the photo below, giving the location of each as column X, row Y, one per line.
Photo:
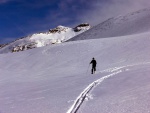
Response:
column 132, row 23
column 53, row 36
column 49, row 79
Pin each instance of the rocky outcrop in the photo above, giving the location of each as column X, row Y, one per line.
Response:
column 82, row 27
column 2, row 45
column 23, row 47
column 58, row 29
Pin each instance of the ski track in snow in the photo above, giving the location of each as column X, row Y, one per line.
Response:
column 114, row 71
column 80, row 99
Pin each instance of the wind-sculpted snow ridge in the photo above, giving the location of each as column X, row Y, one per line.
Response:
column 80, row 99
column 132, row 23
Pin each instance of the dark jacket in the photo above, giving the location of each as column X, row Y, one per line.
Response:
column 93, row 62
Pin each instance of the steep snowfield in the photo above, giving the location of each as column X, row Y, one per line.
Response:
column 56, row 79
column 54, row 36
column 132, row 23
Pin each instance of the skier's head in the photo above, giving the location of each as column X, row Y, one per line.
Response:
column 93, row 58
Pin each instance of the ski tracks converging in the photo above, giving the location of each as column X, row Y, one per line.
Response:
column 114, row 71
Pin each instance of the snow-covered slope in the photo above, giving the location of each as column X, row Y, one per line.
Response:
column 132, row 23
column 53, row 36
column 56, row 79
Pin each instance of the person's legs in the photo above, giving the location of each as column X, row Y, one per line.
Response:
column 92, row 71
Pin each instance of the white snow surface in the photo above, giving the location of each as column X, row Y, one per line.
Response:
column 52, row 78
column 57, row 78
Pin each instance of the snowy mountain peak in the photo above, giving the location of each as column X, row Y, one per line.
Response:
column 122, row 25
column 53, row 36
column 59, row 29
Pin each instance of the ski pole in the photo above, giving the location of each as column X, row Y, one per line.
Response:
column 88, row 69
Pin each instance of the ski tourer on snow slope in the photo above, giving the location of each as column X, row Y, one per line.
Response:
column 93, row 62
